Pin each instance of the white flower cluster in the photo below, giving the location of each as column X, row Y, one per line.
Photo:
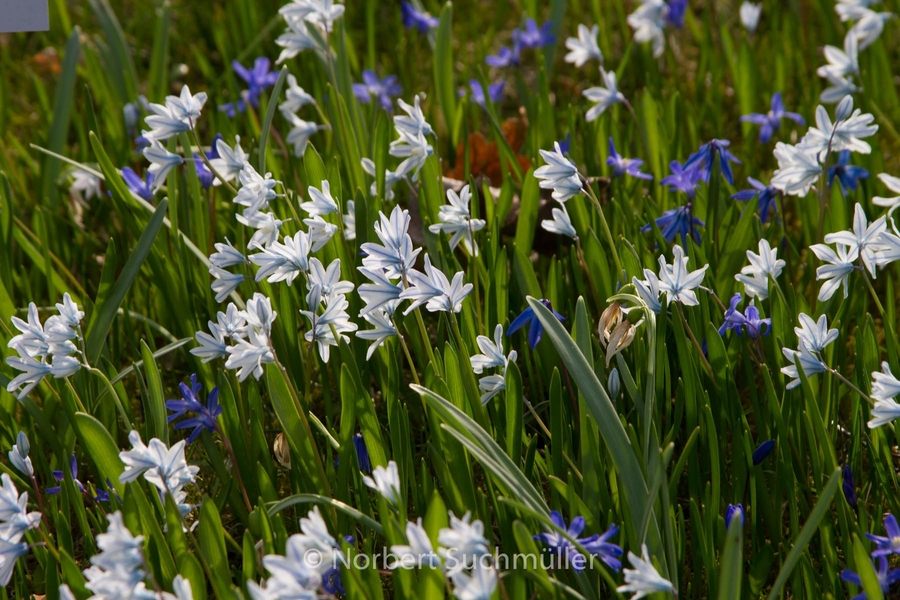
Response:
column 763, row 266
column 492, row 357
column 456, row 219
column 674, row 280
column 118, row 571
column 45, row 348
column 560, row 175
column 15, row 520
column 310, row 559
column 412, row 145
column 299, row 15
column 462, row 554
column 164, row 467
column 301, row 131
column 813, row 336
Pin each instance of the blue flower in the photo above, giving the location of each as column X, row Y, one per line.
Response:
column 749, row 319
column 60, row 476
column 505, row 57
column 704, row 159
column 495, row 91
column 848, row 175
column 535, row 329
column 205, row 415
column 258, row 79
column 675, row 15
column 766, row 196
column 763, row 451
column 566, row 144
column 142, row 188
column 596, row 544
column 532, row 37
column 770, row 121
column 682, row 179
column 890, row 544
column 362, row 453
column 332, row 583
column 383, row 89
column 734, row 510
column 886, row 578
column 415, row 19
column 625, row 166
column 849, row 487
column 678, row 221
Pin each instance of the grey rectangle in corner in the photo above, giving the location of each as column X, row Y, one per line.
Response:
column 24, row 15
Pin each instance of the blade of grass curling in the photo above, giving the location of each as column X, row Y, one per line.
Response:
column 604, row 413
column 806, row 534
column 443, row 69
column 155, row 405
column 267, row 121
column 62, row 109
column 348, row 510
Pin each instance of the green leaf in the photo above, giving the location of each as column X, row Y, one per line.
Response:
column 806, row 534
column 62, row 109
column 101, row 448
column 443, row 68
column 866, row 571
column 732, row 561
column 155, row 403
column 270, row 114
column 106, row 312
column 212, row 548
column 325, row 501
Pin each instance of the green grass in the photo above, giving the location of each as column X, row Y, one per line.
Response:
column 663, row 460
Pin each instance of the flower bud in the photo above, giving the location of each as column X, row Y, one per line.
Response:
column 614, row 385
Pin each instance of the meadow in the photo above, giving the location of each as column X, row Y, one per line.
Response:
column 485, row 300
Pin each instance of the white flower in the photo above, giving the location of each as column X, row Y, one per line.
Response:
column 328, row 279
column 869, row 26
column 85, row 183
column 232, row 322
column 320, row 232
column 283, row 261
column 185, row 107
column 324, row 13
column 643, row 579
column 558, row 174
column 161, row 162
column 815, row 335
column 413, row 124
column 116, row 571
column 327, row 329
column 480, row 584
column 491, row 385
column 300, row 133
column 224, row 282
column 266, row 226
column 419, row 553
column 750, row 15
column 226, row 256
column 798, row 169
column 296, row 39
column 32, row 340
column 164, row 467
column 390, row 178
column 884, row 388
column 259, row 313
column 384, row 329
column 801, row 357
column 492, row 352
column 69, row 312
column 584, row 47
column 33, row 372
column 249, row 354
column 414, row 149
column 350, row 221
column 648, row 290
column 676, row 281
column 560, row 224
column 456, row 219
column 10, row 551
column 837, row 271
column 295, row 97
column 893, row 184
column 864, row 239
column 230, row 162
column 395, row 254
column 605, row 96
column 16, row 519
column 212, row 344
column 256, row 191
column 163, row 124
column 841, row 63
column 839, row 89
column 890, row 249
column 385, row 481
column 434, row 288
column 462, row 543
column 845, row 133
column 755, row 276
column 381, row 294
column 648, row 21
column 851, row 10
column 320, row 202
column 18, row 456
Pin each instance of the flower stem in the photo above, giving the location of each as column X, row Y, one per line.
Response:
column 208, row 164
column 412, row 365
column 235, row 468
column 606, row 231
